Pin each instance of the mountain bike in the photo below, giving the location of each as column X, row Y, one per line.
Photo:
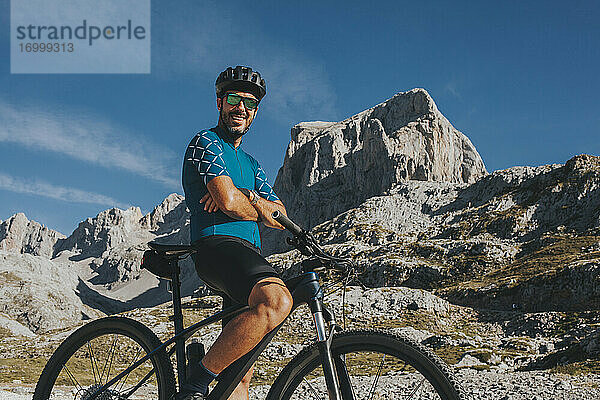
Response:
column 120, row 358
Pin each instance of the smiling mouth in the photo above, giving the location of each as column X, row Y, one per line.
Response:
column 237, row 118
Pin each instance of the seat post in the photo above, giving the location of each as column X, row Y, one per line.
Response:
column 178, row 320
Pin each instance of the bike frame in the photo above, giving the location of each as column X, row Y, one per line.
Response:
column 304, row 288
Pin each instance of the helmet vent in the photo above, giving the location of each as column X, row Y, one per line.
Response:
column 241, row 78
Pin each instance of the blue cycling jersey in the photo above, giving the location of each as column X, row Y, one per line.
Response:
column 210, row 154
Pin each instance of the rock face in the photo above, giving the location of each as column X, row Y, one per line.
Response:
column 99, row 264
column 515, row 238
column 332, row 167
column 108, row 229
column 115, row 238
column 19, row 234
column 523, row 202
column 41, row 294
column 519, row 246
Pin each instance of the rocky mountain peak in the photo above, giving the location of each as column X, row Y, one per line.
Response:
column 107, row 230
column 331, row 167
column 164, row 212
column 583, row 162
column 407, row 106
column 18, row 234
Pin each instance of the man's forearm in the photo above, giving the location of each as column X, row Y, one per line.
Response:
column 264, row 208
column 239, row 208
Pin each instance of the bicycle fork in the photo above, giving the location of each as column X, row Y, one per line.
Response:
column 320, row 316
column 324, row 345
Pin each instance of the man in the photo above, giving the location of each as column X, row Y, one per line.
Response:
column 227, row 193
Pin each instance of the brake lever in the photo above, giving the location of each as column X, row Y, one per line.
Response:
column 298, row 245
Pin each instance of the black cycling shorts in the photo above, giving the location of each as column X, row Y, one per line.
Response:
column 231, row 266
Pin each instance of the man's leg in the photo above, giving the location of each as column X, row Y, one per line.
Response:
column 270, row 303
column 241, row 391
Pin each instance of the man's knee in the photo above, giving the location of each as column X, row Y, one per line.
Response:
column 272, row 299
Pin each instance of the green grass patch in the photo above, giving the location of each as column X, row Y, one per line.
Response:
column 451, row 354
column 545, row 262
column 27, row 370
column 9, row 277
column 482, row 355
column 4, row 333
column 578, row 368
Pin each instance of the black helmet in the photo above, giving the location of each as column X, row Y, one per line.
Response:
column 242, row 79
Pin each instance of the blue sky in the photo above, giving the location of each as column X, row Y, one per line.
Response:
column 520, row 79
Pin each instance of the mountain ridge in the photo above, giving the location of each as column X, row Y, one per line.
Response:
column 518, row 250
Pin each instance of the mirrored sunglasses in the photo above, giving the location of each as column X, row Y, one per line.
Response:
column 234, row 100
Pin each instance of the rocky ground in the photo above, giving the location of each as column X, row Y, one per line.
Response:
column 481, row 385
column 490, row 357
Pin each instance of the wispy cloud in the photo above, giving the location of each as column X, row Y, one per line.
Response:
column 71, row 195
column 452, row 88
column 205, row 41
column 88, row 138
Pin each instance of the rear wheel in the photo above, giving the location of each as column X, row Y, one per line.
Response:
column 369, row 365
column 99, row 351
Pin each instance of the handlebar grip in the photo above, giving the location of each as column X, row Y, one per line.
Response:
column 287, row 223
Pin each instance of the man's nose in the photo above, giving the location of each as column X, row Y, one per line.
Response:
column 240, row 104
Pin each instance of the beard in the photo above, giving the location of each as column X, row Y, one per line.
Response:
column 225, row 120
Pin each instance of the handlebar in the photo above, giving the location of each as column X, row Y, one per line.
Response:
column 305, row 242
column 287, row 223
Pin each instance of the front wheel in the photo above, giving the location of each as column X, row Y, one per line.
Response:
column 99, row 351
column 369, row 365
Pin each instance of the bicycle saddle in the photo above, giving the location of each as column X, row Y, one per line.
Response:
column 171, row 249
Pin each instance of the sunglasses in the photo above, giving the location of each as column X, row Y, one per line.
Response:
column 235, row 99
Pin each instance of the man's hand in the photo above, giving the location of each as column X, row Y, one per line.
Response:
column 265, row 209
column 209, row 203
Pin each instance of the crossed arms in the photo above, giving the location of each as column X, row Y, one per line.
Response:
column 223, row 195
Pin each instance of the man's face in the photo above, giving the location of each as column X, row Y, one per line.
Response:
column 236, row 118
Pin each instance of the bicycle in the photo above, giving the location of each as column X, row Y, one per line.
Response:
column 341, row 365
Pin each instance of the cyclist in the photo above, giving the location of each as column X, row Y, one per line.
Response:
column 227, row 194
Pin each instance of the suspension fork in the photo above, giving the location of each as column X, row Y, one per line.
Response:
column 324, row 346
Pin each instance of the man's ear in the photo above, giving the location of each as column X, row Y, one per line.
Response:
column 219, row 103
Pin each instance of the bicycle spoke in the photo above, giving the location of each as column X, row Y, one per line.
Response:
column 72, row 377
column 129, row 391
column 417, row 388
column 314, row 392
column 110, row 357
column 92, row 361
column 376, row 380
column 126, row 376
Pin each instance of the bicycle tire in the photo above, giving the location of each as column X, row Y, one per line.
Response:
column 82, row 347
column 359, row 346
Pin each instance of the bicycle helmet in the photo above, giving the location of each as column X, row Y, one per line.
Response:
column 242, row 79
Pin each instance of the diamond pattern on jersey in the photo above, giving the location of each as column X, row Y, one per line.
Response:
column 262, row 186
column 206, row 153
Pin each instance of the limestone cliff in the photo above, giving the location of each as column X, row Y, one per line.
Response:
column 330, row 167
column 20, row 235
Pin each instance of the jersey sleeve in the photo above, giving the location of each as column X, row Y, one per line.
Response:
column 262, row 186
column 206, row 153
